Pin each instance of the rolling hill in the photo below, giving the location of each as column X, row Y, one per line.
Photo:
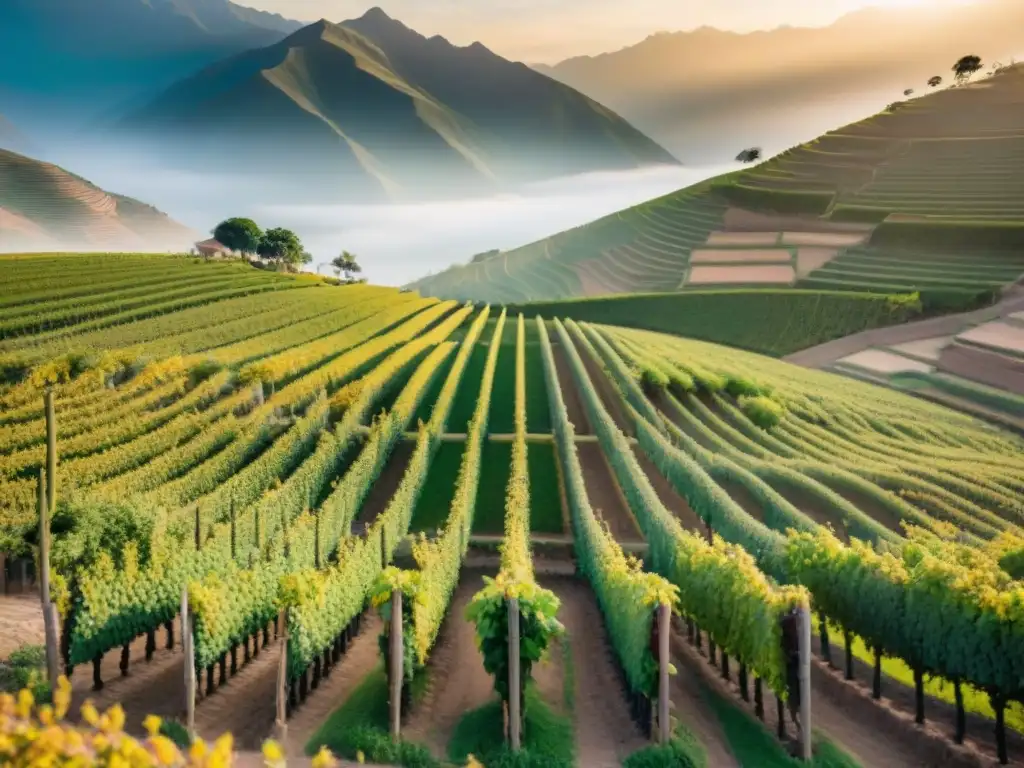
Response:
column 371, row 109
column 78, row 61
column 706, row 93
column 926, row 196
column 44, row 207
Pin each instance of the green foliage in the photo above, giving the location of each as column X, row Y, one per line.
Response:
column 26, row 668
column 239, row 234
column 903, row 601
column 772, row 322
column 281, row 245
column 720, row 586
column 176, row 732
column 763, row 411
column 537, row 606
column 949, row 234
column 361, row 725
column 547, row 737
column 684, row 750
column 627, row 595
column 801, row 201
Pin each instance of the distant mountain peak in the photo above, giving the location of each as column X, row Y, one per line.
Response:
column 376, row 14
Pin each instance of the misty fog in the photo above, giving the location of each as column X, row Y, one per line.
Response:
column 401, row 242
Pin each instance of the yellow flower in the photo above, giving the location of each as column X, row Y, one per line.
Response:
column 272, row 753
column 472, row 762
column 46, row 714
column 25, row 701
column 89, row 713
column 164, row 749
column 152, row 724
column 62, row 697
column 197, row 751
column 360, row 757
column 324, row 759
column 115, row 718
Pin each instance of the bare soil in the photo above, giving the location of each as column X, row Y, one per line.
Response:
column 386, row 484
column 458, row 681
column 742, row 238
column 814, row 507
column 21, row 622
column 723, row 256
column 985, row 366
column 809, row 259
column 897, row 708
column 673, row 502
column 609, row 395
column 744, row 498
column 359, row 660
column 605, row 733
column 741, row 220
column 604, row 494
column 570, row 392
column 773, row 274
column 868, row 506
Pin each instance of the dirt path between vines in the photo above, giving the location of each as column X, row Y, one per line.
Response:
column 385, row 485
column 458, row 681
column 21, row 622
column 604, row 495
column 570, row 392
column 605, row 732
column 668, row 495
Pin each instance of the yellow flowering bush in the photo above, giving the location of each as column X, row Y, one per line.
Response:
column 34, row 736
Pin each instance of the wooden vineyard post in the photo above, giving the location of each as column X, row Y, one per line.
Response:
column 397, row 653
column 281, row 724
column 805, row 683
column 514, row 719
column 190, row 664
column 664, row 626
column 49, row 610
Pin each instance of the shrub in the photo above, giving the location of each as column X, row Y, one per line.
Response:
column 738, row 386
column 683, row 751
column 377, row 746
column 653, row 379
column 761, row 410
column 176, row 732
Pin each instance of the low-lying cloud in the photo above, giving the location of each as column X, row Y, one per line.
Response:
column 401, row 242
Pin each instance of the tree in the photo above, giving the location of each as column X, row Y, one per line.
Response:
column 966, row 66
column 750, row 155
column 908, row 92
column 346, row 262
column 935, row 81
column 242, row 235
column 283, row 246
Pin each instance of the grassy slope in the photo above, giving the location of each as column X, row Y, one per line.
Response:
column 770, row 322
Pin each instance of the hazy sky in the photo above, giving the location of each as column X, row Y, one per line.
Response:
column 551, row 30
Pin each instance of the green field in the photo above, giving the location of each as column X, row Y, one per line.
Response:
column 238, row 464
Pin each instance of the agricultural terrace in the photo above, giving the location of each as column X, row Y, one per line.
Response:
column 925, row 197
column 349, row 447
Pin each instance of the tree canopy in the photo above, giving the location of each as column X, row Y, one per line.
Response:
column 750, row 155
column 908, row 91
column 346, row 262
column 935, row 81
column 967, row 66
column 239, row 234
column 282, row 245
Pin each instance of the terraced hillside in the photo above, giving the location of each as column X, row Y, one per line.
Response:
column 924, row 197
column 44, row 207
column 268, row 455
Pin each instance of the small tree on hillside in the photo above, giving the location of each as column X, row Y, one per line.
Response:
column 346, row 262
column 966, row 66
column 242, row 235
column 283, row 247
column 750, row 155
column 908, row 92
column 935, row 81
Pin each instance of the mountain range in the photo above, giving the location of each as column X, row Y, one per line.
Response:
column 372, row 109
column 706, row 94
column 44, row 207
column 78, row 60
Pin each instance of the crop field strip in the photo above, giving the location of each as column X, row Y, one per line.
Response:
column 997, row 466
column 248, row 479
